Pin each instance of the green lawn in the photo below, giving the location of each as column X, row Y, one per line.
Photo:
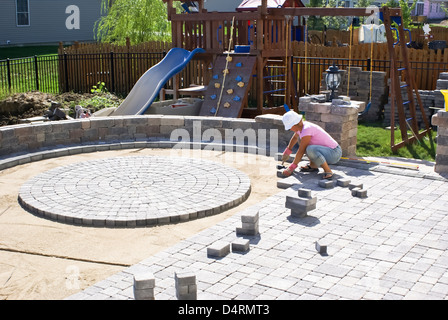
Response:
column 26, row 51
column 374, row 141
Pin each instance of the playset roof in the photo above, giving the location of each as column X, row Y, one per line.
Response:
column 251, row 5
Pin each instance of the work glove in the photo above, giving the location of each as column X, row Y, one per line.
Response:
column 287, row 172
column 286, row 154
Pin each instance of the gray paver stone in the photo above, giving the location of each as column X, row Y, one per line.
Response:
column 302, row 211
column 343, row 182
column 292, row 202
column 322, row 249
column 304, row 193
column 361, row 193
column 218, row 249
column 355, row 185
column 251, row 217
column 280, row 174
column 144, row 280
column 327, row 184
column 185, row 283
column 240, row 245
column 247, row 232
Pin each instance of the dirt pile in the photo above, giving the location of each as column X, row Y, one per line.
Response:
column 35, row 104
column 23, row 105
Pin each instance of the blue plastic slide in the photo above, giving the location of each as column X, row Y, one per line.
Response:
column 151, row 82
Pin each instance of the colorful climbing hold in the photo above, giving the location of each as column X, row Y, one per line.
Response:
column 213, row 96
column 217, row 85
column 228, row 58
column 238, row 78
column 237, row 98
column 227, row 105
column 215, row 77
column 213, row 110
column 239, row 64
column 240, row 84
column 230, row 91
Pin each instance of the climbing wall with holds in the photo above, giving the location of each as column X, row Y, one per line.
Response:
column 228, row 89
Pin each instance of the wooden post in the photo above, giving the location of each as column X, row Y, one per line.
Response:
column 264, row 7
column 260, row 83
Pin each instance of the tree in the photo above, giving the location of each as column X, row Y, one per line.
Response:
column 363, row 4
column 314, row 22
column 139, row 20
column 405, row 10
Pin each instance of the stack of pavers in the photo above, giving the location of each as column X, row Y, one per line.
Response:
column 440, row 119
column 144, row 283
column 359, row 90
column 250, row 224
column 185, row 283
column 427, row 98
column 301, row 205
column 430, row 99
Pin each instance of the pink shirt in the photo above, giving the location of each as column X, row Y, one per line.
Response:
column 318, row 135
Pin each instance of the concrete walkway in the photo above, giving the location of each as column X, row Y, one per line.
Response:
column 391, row 245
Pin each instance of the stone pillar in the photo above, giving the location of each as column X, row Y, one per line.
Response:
column 338, row 119
column 440, row 119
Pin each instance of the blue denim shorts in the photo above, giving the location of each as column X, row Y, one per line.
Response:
column 320, row 154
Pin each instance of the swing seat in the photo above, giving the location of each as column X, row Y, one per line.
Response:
column 365, row 110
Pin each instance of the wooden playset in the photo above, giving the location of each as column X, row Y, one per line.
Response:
column 242, row 49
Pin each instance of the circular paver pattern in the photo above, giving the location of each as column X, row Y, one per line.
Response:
column 134, row 191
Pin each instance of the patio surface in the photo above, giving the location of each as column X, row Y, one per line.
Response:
column 391, row 245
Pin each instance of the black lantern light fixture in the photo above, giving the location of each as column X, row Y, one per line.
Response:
column 332, row 79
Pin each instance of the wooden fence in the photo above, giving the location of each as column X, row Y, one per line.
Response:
column 426, row 64
column 343, row 36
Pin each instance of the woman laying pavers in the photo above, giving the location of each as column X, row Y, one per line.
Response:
column 317, row 144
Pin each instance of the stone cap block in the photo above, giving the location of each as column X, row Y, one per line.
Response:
column 440, row 118
column 344, row 110
column 270, row 119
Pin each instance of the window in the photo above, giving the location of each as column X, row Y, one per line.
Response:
column 23, row 12
column 419, row 8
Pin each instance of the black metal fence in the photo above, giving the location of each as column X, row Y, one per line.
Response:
column 120, row 71
column 27, row 74
column 75, row 72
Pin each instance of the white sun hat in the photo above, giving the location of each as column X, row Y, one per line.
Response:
column 290, row 119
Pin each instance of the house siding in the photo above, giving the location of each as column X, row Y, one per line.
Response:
column 432, row 10
column 48, row 22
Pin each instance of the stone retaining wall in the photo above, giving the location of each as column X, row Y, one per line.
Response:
column 265, row 132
